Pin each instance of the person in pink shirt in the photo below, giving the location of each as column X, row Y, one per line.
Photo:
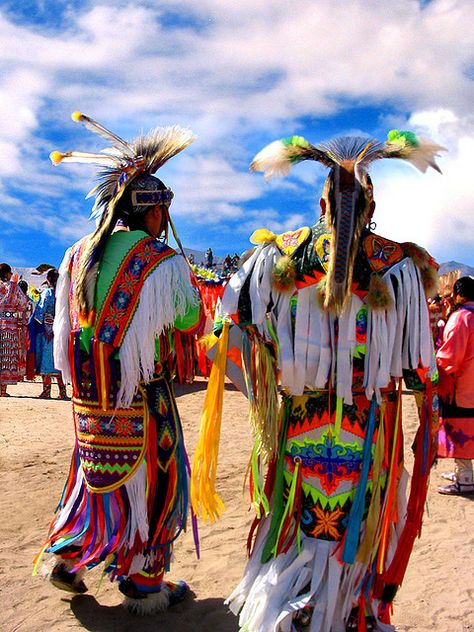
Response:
column 455, row 359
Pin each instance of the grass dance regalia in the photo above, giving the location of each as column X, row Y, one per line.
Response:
column 120, row 294
column 332, row 317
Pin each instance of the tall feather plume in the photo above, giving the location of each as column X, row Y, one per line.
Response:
column 161, row 144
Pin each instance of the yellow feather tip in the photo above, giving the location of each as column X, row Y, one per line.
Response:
column 76, row 116
column 55, row 157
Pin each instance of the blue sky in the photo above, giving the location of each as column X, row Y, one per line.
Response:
column 240, row 74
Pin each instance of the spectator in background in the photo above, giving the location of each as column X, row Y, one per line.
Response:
column 436, row 320
column 227, row 265
column 455, row 359
column 44, row 317
column 13, row 320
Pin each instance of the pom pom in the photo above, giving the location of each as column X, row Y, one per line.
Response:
column 284, row 274
column 55, row 157
column 378, row 296
column 76, row 116
column 394, row 137
column 430, row 280
column 427, row 266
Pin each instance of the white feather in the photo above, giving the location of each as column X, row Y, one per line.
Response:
column 273, row 160
column 94, row 159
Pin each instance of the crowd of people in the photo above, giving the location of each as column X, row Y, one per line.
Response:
column 26, row 333
column 323, row 324
column 228, row 266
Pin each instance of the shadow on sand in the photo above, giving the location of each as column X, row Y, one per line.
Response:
column 189, row 616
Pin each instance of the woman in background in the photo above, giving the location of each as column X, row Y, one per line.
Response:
column 13, row 320
column 44, row 317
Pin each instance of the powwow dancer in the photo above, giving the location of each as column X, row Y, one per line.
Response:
column 336, row 315
column 44, row 317
column 120, row 295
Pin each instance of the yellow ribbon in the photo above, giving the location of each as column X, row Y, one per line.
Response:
column 204, row 498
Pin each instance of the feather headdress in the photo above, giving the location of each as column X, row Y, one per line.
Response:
column 122, row 162
column 348, row 189
column 124, row 167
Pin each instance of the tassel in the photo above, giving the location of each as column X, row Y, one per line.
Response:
column 295, row 510
column 259, row 499
column 392, row 484
column 358, row 504
column 278, row 486
column 418, row 491
column 373, row 515
column 288, row 514
column 204, row 497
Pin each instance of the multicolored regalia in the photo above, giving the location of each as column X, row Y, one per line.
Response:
column 331, row 318
column 126, row 498
column 14, row 312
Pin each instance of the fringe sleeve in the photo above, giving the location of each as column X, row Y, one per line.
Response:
column 400, row 335
column 166, row 294
column 62, row 323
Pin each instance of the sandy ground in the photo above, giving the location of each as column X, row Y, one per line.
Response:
column 36, row 438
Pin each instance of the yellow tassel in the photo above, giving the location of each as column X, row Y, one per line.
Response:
column 55, row 157
column 262, row 236
column 204, row 497
column 76, row 116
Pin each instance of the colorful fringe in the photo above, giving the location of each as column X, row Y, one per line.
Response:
column 259, row 359
column 131, row 528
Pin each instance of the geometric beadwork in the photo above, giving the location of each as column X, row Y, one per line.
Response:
column 110, row 443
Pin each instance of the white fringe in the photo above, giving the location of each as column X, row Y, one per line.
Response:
column 154, row 603
column 166, row 294
column 136, row 491
column 62, row 323
column 270, row 594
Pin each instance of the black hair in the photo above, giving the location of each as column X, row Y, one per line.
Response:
column 52, row 276
column 464, row 287
column 23, row 285
column 4, row 270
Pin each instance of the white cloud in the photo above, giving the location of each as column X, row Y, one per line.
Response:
column 431, row 209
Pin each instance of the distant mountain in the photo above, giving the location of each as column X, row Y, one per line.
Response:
column 450, row 266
